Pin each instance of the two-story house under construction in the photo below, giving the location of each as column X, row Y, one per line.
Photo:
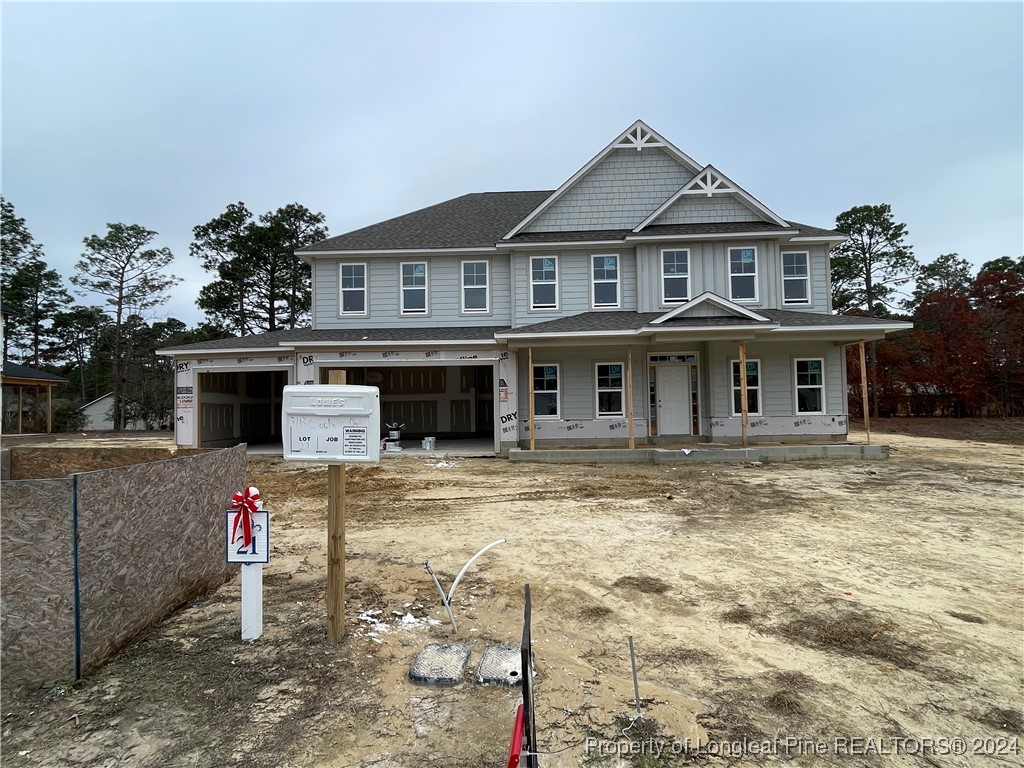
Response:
column 642, row 298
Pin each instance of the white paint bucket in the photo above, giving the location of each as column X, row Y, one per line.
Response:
column 429, row 443
column 395, row 434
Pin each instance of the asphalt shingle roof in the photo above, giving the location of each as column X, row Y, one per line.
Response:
column 15, row 371
column 267, row 341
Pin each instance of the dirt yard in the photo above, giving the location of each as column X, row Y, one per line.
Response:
column 814, row 612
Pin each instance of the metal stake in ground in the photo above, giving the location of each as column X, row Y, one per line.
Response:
column 636, row 685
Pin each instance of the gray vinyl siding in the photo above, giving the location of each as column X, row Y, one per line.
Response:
column 383, row 295
column 709, row 271
column 700, row 209
column 777, row 375
column 574, row 286
column 618, row 193
column 576, row 374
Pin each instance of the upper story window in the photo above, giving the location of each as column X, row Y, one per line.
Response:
column 414, row 288
column 352, row 283
column 810, row 386
column 796, row 287
column 545, row 391
column 743, row 274
column 610, row 386
column 753, row 388
column 543, row 282
column 476, row 290
column 675, row 276
column 605, row 273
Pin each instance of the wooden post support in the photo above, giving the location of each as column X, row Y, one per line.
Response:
column 21, row 404
column 864, row 392
column 335, row 552
column 629, row 398
column 743, row 391
column 529, row 376
column 49, row 410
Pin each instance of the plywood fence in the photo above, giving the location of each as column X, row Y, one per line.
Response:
column 149, row 537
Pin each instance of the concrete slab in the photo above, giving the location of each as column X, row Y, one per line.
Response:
column 440, row 664
column 501, row 665
column 701, row 454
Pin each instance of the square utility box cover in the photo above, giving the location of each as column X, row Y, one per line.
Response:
column 331, row 423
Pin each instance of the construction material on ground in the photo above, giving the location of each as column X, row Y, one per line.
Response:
column 500, row 665
column 440, row 664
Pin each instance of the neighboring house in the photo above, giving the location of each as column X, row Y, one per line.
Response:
column 645, row 274
column 99, row 415
column 21, row 392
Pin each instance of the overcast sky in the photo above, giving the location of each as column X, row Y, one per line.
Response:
column 163, row 114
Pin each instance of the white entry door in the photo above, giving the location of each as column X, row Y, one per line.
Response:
column 674, row 402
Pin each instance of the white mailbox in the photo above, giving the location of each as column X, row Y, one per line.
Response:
column 331, row 423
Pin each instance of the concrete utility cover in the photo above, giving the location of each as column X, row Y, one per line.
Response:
column 501, row 665
column 440, row 664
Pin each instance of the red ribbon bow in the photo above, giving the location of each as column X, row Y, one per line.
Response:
column 243, row 503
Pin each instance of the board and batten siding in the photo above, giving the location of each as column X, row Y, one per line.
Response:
column 444, row 285
column 618, row 193
column 574, row 283
column 777, row 375
column 709, row 271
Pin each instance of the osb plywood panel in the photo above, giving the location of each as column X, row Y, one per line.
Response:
column 37, row 629
column 32, row 463
column 151, row 536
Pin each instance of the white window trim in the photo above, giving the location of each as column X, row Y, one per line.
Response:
column 755, row 274
column 807, row 279
column 558, row 286
column 665, row 301
column 558, row 392
column 798, row 387
column 487, row 287
column 426, row 290
column 365, row 289
column 617, row 281
column 621, row 390
column 733, row 389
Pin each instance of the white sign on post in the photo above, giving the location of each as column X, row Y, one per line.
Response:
column 258, row 550
column 331, row 423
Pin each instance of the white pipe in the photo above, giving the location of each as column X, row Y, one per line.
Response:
column 451, row 592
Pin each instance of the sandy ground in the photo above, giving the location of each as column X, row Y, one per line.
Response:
column 838, row 613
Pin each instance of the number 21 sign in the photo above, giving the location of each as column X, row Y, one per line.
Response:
column 258, row 549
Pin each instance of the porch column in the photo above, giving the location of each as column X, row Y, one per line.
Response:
column 743, row 391
column 629, row 397
column 864, row 392
column 529, row 377
column 21, row 404
column 49, row 410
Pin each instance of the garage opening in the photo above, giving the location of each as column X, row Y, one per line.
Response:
column 449, row 402
column 241, row 407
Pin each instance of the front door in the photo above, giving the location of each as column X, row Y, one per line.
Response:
column 674, row 400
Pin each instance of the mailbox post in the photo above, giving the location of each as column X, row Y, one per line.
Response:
column 332, row 424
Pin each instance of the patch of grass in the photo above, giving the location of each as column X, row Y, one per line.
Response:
column 1002, row 719
column 970, row 618
column 591, row 612
column 677, row 657
column 741, row 614
column 649, row 585
column 793, row 680
column 854, row 633
column 784, row 702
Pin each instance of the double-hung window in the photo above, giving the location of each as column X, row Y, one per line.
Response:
column 414, row 288
column 543, row 282
column 605, row 273
column 743, row 274
column 675, row 276
column 753, row 388
column 352, row 289
column 795, row 279
column 610, row 385
column 475, row 287
column 545, row 391
column 810, row 386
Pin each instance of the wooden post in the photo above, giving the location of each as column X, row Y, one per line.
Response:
column 49, row 410
column 864, row 392
column 21, row 404
column 335, row 552
column 743, row 390
column 529, row 376
column 197, row 414
column 629, row 397
column 337, row 376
